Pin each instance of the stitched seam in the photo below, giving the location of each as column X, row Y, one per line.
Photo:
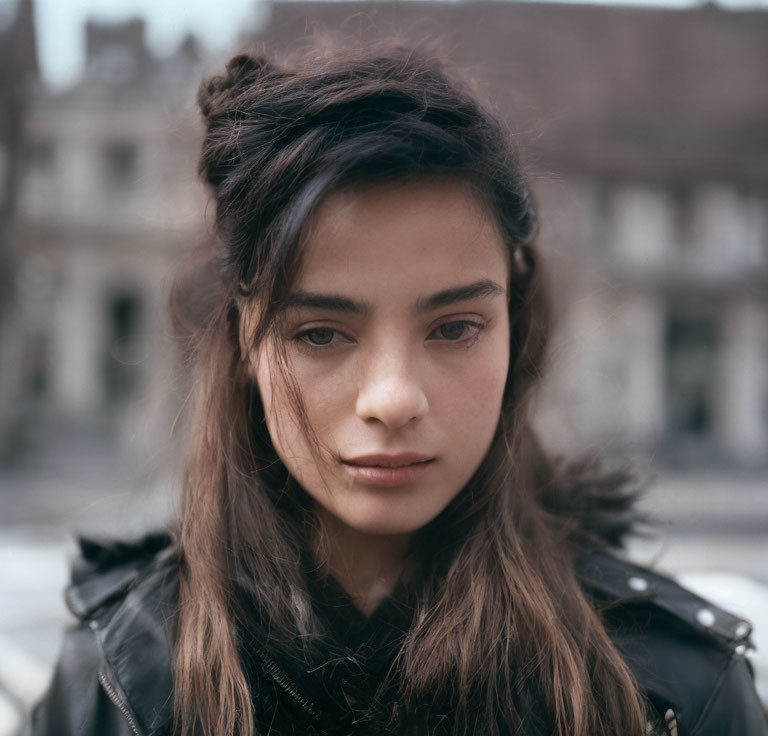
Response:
column 715, row 692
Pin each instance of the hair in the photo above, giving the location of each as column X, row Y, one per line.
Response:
column 501, row 624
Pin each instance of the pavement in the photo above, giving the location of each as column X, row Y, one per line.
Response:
column 712, row 531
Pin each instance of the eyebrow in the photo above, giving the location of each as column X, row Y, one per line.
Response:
column 477, row 290
column 483, row 288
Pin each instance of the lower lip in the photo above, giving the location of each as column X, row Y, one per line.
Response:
column 375, row 475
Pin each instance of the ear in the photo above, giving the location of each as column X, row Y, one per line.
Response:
column 246, row 316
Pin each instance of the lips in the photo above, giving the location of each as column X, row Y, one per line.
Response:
column 388, row 470
column 389, row 461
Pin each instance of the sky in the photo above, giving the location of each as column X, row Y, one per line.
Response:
column 60, row 27
column 217, row 22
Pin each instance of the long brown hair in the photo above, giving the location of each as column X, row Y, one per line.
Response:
column 501, row 624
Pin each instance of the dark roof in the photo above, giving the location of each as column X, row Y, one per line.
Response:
column 120, row 68
column 620, row 91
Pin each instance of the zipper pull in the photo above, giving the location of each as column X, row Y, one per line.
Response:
column 671, row 720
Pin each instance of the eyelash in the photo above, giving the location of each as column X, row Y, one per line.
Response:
column 474, row 327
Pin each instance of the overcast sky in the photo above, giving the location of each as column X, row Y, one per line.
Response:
column 60, row 26
column 217, row 22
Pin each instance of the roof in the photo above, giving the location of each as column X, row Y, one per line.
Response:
column 644, row 92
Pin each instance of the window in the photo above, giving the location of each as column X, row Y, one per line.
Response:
column 691, row 342
column 41, row 156
column 120, row 165
column 122, row 362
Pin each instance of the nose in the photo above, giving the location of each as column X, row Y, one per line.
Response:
column 391, row 393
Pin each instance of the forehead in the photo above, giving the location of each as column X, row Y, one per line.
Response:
column 414, row 235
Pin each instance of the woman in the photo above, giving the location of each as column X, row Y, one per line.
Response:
column 371, row 539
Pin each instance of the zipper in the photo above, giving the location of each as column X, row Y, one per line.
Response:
column 118, row 702
column 271, row 668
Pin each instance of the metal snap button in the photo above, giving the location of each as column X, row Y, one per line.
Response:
column 705, row 617
column 742, row 629
column 638, row 584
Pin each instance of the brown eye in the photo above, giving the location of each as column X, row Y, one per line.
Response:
column 461, row 331
column 318, row 336
column 452, row 330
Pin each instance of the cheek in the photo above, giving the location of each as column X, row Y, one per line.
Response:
column 474, row 393
column 287, row 430
column 328, row 392
column 475, row 413
column 273, row 390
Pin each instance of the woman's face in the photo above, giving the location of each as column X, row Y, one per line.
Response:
column 397, row 336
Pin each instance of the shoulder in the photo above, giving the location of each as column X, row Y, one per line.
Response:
column 114, row 671
column 107, row 571
column 687, row 654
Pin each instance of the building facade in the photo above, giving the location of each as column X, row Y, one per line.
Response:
column 18, row 74
column 109, row 203
column 644, row 133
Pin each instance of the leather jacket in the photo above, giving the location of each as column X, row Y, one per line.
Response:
column 113, row 677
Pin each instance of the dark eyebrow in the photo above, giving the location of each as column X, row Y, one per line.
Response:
column 476, row 290
column 326, row 302
column 444, row 298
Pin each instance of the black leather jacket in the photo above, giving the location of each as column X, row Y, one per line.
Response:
column 113, row 677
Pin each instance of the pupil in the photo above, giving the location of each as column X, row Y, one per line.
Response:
column 320, row 336
column 452, row 330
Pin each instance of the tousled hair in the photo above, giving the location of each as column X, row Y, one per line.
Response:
column 501, row 625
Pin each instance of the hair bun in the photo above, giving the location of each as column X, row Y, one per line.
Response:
column 216, row 93
column 245, row 64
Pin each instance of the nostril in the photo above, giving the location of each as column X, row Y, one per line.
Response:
column 392, row 406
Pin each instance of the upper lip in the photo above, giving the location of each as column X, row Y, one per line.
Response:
column 388, row 461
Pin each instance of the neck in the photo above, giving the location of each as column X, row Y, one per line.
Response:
column 366, row 566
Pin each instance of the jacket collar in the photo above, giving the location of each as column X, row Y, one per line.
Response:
column 129, row 600
column 128, row 595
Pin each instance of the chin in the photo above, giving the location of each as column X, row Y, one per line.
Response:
column 385, row 524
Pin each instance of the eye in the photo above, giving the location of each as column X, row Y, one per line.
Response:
column 317, row 336
column 320, row 339
column 457, row 331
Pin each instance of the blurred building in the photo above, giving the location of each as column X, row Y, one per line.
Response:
column 645, row 133
column 109, row 202
column 18, row 73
